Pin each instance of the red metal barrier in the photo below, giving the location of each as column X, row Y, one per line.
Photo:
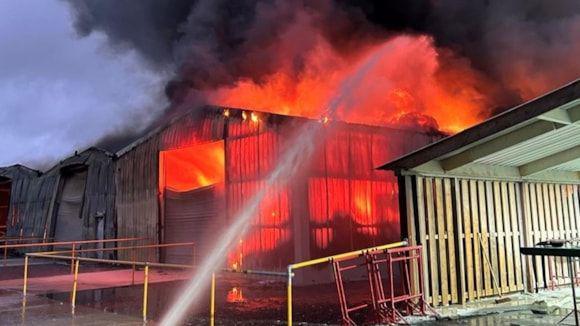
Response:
column 386, row 306
column 410, row 301
column 345, row 310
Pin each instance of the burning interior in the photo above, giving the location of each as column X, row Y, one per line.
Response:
column 205, row 165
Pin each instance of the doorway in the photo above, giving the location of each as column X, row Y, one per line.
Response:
column 191, row 184
column 70, row 200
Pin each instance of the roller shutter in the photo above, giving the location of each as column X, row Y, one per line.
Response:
column 190, row 216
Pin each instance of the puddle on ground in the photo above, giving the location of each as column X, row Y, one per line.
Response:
column 245, row 300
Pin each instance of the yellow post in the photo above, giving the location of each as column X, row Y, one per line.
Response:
column 212, row 301
column 145, row 288
column 25, row 287
column 74, row 290
column 289, row 295
column 133, row 267
column 346, row 255
column 72, row 261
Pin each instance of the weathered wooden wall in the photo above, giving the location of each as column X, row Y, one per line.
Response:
column 472, row 232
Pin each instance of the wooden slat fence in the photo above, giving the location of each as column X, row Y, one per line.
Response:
column 550, row 211
column 472, row 233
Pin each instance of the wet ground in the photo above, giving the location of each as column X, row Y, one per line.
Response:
column 240, row 300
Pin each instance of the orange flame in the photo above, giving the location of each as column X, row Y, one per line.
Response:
column 412, row 82
column 192, row 167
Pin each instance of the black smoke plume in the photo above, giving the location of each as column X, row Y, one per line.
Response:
column 213, row 43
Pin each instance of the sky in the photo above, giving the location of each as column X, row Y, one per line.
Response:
column 60, row 93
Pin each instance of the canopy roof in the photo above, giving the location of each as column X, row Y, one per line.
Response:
column 539, row 139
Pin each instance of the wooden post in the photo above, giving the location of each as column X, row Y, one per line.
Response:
column 451, row 236
column 422, row 233
column 441, row 241
column 527, row 231
column 460, row 243
column 411, row 231
column 468, row 239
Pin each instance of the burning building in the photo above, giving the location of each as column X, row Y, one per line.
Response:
column 186, row 180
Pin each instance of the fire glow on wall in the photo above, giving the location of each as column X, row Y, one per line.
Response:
column 336, row 202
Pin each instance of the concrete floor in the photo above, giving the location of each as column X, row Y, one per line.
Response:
column 44, row 308
column 48, row 277
column 543, row 308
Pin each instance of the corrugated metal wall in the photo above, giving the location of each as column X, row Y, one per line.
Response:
column 252, row 148
column 136, row 200
column 32, row 196
column 29, row 201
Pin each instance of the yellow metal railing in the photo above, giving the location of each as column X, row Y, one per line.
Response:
column 74, row 253
column 5, row 247
column 76, row 262
column 329, row 259
column 21, row 239
column 147, row 265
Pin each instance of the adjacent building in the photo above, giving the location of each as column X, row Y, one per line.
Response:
column 474, row 198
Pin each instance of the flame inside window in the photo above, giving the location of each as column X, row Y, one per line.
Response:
column 193, row 167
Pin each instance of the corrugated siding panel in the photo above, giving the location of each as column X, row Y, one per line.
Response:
column 136, row 200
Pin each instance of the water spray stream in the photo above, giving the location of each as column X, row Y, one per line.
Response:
column 304, row 143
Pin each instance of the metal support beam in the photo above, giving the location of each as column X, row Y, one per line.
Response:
column 515, row 137
column 550, row 161
column 564, row 115
column 574, row 114
column 557, row 115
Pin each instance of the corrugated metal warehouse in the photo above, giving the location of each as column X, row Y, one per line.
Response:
column 474, row 198
column 73, row 200
column 185, row 180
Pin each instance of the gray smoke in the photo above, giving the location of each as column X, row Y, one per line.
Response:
column 60, row 93
column 213, row 43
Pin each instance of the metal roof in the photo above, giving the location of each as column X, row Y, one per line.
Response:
column 536, row 138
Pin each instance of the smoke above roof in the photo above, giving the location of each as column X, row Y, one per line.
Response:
column 450, row 64
column 523, row 47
